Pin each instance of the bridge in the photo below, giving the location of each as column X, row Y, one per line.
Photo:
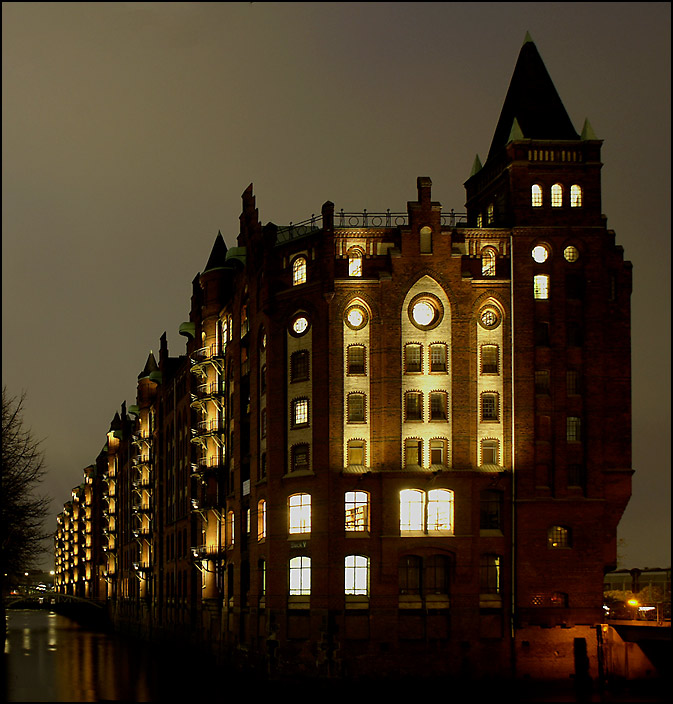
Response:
column 37, row 599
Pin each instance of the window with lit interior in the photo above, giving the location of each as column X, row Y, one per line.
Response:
column 356, row 452
column 488, row 262
column 299, row 271
column 356, row 575
column 489, row 406
column 541, row 287
column 556, row 195
column 299, row 412
column 356, row 359
column 300, row 576
column 489, row 359
column 357, row 511
column 438, row 357
column 421, row 512
column 299, row 513
column 425, row 311
column 261, row 520
column 536, row 195
column 354, row 262
column 575, row 196
column 558, row 537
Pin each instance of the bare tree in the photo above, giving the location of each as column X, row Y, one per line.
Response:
column 22, row 511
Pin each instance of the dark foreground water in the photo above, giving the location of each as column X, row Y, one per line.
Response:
column 50, row 658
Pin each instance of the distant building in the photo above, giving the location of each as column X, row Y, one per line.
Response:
column 397, row 442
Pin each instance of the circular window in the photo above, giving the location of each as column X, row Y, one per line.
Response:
column 571, row 253
column 489, row 318
column 540, row 253
column 356, row 317
column 425, row 311
column 300, row 325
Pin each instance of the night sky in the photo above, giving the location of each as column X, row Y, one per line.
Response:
column 130, row 131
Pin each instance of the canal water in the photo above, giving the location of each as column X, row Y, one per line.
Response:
column 50, row 658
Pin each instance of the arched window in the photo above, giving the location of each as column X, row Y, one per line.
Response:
column 575, row 196
column 488, row 261
column 356, row 403
column 299, row 271
column 556, row 195
column 536, row 195
column 440, row 510
column 426, row 240
column 357, row 511
column 412, row 510
column 299, row 513
column 436, row 575
column 354, row 261
column 356, row 574
column 300, row 576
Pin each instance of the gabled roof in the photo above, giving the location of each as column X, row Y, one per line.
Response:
column 533, row 102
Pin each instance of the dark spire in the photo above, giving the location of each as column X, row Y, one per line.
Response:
column 533, row 102
column 150, row 366
column 218, row 255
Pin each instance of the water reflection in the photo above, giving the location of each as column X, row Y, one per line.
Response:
column 51, row 658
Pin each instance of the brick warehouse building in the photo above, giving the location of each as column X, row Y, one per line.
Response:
column 396, row 442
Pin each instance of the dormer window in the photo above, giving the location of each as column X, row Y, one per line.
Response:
column 575, row 196
column 556, row 195
column 536, row 195
column 299, row 271
column 354, row 262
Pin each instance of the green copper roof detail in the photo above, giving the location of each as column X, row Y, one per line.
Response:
column 588, row 131
column 476, row 166
column 515, row 133
column 527, row 38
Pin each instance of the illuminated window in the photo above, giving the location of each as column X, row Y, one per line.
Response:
column 556, row 195
column 571, row 253
column 356, row 574
column 299, row 513
column 413, row 452
column 559, row 599
column 558, row 537
column 356, row 452
column 489, row 452
column 356, row 408
column 354, row 262
column 540, row 253
column 541, row 287
column 300, row 325
column 413, row 405
column 300, row 576
column 575, row 196
column 230, row 527
column 299, row 412
column 490, row 509
column 536, row 196
column 261, row 520
column 355, row 359
column 357, row 511
column 490, row 214
column 489, row 406
column 438, row 405
column 440, row 510
column 489, row 318
column 489, row 574
column 480, row 220
column 438, row 451
column 300, row 457
column 412, row 510
column 299, row 271
column 426, row 240
column 573, row 429
column 412, row 358
column 438, row 358
column 488, row 262
column 489, row 359
column 299, row 366
column 356, row 317
column 425, row 311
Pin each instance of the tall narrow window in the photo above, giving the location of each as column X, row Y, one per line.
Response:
column 489, row 406
column 573, row 429
column 490, row 214
column 357, row 511
column 354, row 262
column 261, row 520
column 356, row 408
column 536, row 196
column 556, row 195
column 409, row 571
column 440, row 510
column 490, row 509
column 426, row 240
column 413, row 405
column 573, row 383
column 542, row 381
column 488, row 262
column 438, row 358
column 489, row 452
column 355, row 359
column 299, row 366
column 438, row 405
column 356, row 452
column 356, row 574
column 489, row 359
column 412, row 358
column 299, row 271
column 575, row 196
column 541, row 287
column 299, row 513
column 436, row 575
column 300, row 576
column 413, row 452
column 300, row 457
column 412, row 510
column 489, row 574
column 299, row 412
column 438, row 451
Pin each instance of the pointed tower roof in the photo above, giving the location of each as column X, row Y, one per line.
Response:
column 150, row 366
column 533, row 102
column 218, row 254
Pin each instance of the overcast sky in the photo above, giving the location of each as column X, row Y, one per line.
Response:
column 130, row 130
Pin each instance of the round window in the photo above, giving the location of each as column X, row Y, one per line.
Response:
column 425, row 311
column 571, row 253
column 489, row 318
column 356, row 317
column 540, row 253
column 300, row 325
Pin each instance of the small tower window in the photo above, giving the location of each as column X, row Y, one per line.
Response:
column 299, row 271
column 536, row 196
column 490, row 214
column 354, row 262
column 575, row 196
column 556, row 195
column 541, row 287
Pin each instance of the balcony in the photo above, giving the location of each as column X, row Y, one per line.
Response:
column 209, row 392
column 210, row 354
column 206, row 466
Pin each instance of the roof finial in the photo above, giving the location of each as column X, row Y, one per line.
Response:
column 528, row 38
column 588, row 131
column 476, row 166
column 516, row 132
